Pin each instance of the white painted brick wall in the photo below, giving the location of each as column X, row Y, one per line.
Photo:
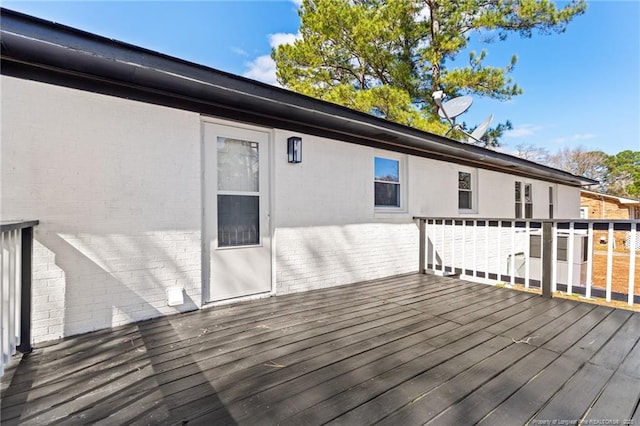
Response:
column 103, row 287
column 319, row 257
column 116, row 187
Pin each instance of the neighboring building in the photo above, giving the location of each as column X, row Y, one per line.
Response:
column 154, row 178
column 596, row 205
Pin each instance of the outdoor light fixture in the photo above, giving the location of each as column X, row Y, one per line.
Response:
column 294, row 149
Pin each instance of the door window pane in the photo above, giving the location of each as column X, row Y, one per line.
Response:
column 238, row 220
column 237, row 165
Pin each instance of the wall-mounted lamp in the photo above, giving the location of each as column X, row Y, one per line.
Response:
column 294, row 149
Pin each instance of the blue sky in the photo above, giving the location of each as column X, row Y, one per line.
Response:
column 581, row 88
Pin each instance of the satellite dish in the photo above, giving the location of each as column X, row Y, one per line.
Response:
column 453, row 108
column 479, row 132
column 456, row 106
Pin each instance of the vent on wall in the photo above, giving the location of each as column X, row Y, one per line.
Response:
column 175, row 296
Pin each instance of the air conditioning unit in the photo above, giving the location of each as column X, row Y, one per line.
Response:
column 578, row 261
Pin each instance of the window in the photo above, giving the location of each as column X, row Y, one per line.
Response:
column 551, row 202
column 528, row 201
column 465, row 191
column 238, row 193
column 584, row 212
column 525, row 199
column 387, row 182
column 518, row 200
column 535, row 247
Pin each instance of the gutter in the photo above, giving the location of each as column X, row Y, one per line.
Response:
column 43, row 47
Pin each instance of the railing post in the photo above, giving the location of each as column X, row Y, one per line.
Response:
column 422, row 226
column 25, row 308
column 547, row 255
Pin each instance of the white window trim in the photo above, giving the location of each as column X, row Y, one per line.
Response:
column 523, row 203
column 524, row 199
column 402, row 176
column 554, row 199
column 474, row 190
column 584, row 212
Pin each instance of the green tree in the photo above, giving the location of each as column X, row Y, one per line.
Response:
column 386, row 57
column 623, row 176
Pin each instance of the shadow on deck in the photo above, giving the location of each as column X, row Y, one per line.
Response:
column 403, row 350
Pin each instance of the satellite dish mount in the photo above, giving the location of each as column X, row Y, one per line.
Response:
column 452, row 108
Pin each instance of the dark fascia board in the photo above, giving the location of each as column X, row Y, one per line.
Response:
column 29, row 42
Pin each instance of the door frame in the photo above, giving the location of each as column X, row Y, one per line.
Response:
column 205, row 257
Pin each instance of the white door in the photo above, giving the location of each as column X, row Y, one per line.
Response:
column 237, row 243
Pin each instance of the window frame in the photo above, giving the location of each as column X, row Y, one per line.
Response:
column 235, row 192
column 523, row 208
column 473, row 190
column 584, row 212
column 528, row 204
column 401, row 159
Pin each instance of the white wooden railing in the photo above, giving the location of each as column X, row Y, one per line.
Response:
column 592, row 258
column 15, row 288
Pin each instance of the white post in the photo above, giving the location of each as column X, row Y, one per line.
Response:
column 442, row 261
column 570, row 260
column 590, row 260
column 2, row 304
column 426, row 244
column 527, row 242
column 453, row 246
column 464, row 248
column 12, row 292
column 554, row 258
column 610, row 242
column 475, row 246
column 486, row 249
column 18, row 296
column 513, row 253
column 632, row 263
column 499, row 249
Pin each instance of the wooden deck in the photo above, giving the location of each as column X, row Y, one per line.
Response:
column 407, row 350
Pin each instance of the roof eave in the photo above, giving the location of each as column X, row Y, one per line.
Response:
column 41, row 43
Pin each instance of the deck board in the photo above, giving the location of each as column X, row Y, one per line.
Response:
column 402, row 350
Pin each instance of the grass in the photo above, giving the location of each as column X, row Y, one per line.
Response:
column 562, row 295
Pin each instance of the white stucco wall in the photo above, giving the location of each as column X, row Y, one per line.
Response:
column 329, row 233
column 434, row 185
column 327, row 230
column 116, row 187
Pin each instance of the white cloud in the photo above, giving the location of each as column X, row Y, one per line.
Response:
column 574, row 138
column 278, row 39
column 238, row 51
column 522, row 131
column 263, row 68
